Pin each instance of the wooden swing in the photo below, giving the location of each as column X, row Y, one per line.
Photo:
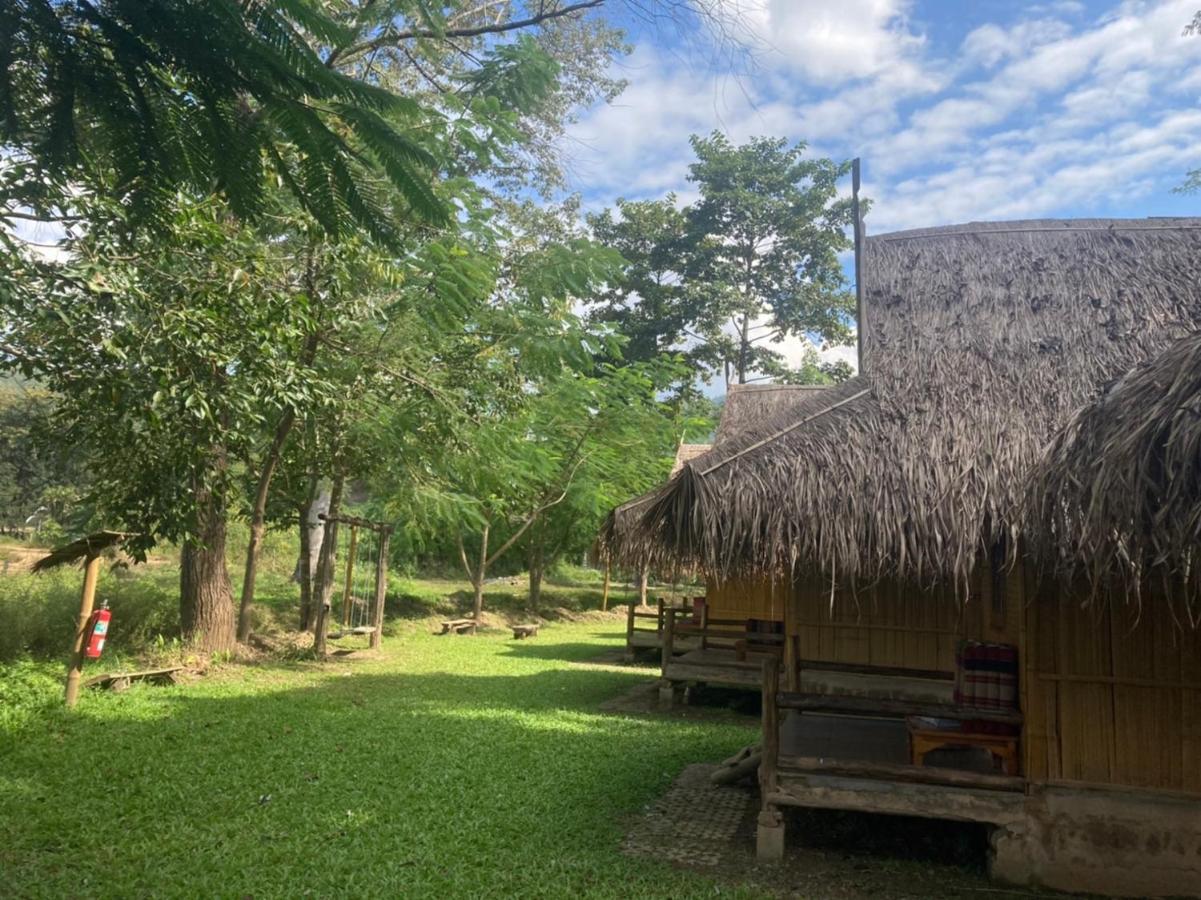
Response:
column 359, row 616
column 355, row 612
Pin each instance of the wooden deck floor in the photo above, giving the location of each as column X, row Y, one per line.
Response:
column 718, row 667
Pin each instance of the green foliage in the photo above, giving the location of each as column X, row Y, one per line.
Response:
column 754, row 260
column 37, row 472
column 160, row 94
column 40, row 611
column 654, row 303
column 167, row 358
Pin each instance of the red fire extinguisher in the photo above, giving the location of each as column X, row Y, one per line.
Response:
column 98, row 631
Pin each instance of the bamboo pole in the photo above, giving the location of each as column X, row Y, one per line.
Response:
column 381, row 588
column 346, row 592
column 87, row 599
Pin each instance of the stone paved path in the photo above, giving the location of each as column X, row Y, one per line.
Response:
column 695, row 823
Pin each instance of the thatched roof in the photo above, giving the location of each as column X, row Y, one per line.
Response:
column 981, row 342
column 1119, row 492
column 686, row 453
column 84, row 548
column 746, row 405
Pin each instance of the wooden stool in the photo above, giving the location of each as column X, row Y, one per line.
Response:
column 1002, row 746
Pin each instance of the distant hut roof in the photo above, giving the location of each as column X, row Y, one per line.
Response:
column 686, row 453
column 746, row 405
column 982, row 341
column 1119, row 492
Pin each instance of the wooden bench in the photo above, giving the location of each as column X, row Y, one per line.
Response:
column 120, row 681
column 520, row 632
column 459, row 626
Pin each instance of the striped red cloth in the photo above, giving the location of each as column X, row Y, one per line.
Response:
column 986, row 675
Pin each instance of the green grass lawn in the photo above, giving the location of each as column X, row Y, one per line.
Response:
column 446, row 767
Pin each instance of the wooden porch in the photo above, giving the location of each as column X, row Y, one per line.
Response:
column 855, row 751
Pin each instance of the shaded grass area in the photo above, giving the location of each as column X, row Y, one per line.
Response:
column 445, row 767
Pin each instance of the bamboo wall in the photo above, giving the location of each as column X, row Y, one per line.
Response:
column 896, row 624
column 746, row 599
column 1112, row 696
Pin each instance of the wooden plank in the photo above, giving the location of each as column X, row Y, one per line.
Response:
column 901, row 773
column 818, row 665
column 730, row 676
column 930, row 801
column 770, row 677
column 893, row 707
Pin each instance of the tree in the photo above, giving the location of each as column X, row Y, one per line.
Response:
column 753, row 261
column 769, row 226
column 165, row 359
column 654, row 304
column 36, row 472
column 160, row 95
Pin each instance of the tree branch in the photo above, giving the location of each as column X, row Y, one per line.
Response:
column 390, row 38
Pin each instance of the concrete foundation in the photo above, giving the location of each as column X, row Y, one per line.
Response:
column 769, row 836
column 1114, row 842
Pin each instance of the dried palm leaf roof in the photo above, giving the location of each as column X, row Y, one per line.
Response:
column 981, row 343
column 746, row 405
column 83, row 548
column 1119, row 491
column 687, row 453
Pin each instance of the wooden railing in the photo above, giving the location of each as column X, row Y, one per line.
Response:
column 775, row 701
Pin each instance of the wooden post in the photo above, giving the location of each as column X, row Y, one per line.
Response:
column 669, row 638
column 660, row 604
column 87, row 598
column 666, row 688
column 381, row 587
column 769, row 843
column 605, row 591
column 704, row 624
column 346, row 592
column 630, row 622
column 792, row 672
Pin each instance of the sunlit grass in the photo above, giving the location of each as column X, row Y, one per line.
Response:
column 448, row 767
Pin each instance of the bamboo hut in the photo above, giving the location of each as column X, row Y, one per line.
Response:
column 952, row 649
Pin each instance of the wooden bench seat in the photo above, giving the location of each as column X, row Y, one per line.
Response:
column 520, row 632
column 459, row 626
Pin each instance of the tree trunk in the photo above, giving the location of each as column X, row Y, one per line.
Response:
column 605, row 590
column 536, row 565
column 312, row 531
column 206, row 607
column 324, row 581
column 643, row 581
column 258, row 520
column 481, row 572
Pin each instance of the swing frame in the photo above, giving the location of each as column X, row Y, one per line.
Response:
column 384, row 533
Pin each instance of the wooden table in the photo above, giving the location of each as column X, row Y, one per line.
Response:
column 925, row 740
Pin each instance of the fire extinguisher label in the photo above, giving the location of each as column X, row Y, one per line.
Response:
column 101, row 628
column 99, row 646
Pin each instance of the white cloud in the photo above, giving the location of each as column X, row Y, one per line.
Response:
column 832, row 41
column 1051, row 113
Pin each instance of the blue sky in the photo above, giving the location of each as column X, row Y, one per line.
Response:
column 960, row 111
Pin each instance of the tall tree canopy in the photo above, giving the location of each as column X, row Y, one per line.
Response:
column 753, row 261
